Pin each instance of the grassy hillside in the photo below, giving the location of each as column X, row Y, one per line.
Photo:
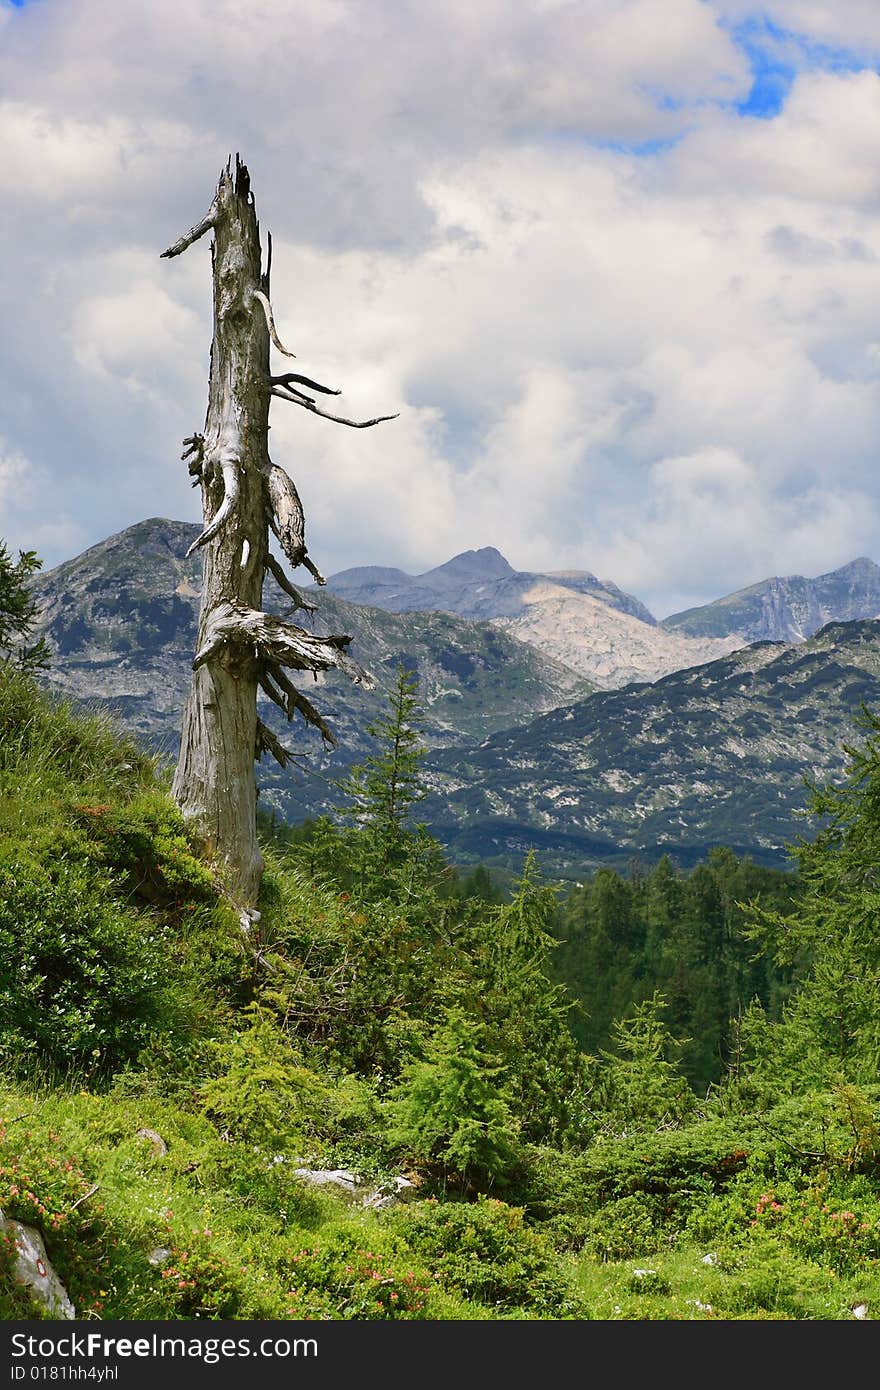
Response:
column 164, row 1076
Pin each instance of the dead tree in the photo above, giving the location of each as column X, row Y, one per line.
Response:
column 244, row 494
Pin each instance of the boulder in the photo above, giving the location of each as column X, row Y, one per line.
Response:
column 390, row 1194
column 377, row 1197
column 160, row 1148
column 337, row 1179
column 33, row 1268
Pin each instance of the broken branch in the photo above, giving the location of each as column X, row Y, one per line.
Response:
column 279, row 642
column 287, row 519
column 284, row 583
column 267, row 743
column 283, row 395
column 229, row 467
column 289, row 699
column 193, row 234
column 270, row 322
column 286, row 378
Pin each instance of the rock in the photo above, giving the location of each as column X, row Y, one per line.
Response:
column 710, row 1259
column 390, row 1194
column 348, row 1184
column 339, row 1179
column 159, row 1255
column 160, row 1148
column 33, row 1268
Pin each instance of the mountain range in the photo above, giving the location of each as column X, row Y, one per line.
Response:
column 523, row 749
column 609, row 636
column 121, row 619
column 787, row 610
column 713, row 755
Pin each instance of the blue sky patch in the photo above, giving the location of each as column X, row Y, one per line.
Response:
column 777, row 55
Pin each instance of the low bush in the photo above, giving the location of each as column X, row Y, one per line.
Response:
column 82, row 980
column 484, row 1250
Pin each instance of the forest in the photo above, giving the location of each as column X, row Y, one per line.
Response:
column 406, row 1091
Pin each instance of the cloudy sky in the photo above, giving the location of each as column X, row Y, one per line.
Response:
column 616, row 263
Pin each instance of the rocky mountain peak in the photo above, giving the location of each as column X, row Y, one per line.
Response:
column 471, row 566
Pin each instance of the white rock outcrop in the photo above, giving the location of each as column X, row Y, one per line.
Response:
column 33, row 1268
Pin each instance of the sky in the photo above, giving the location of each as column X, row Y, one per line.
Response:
column 615, row 262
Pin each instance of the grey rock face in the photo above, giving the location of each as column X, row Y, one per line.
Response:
column 787, row 610
column 121, row 620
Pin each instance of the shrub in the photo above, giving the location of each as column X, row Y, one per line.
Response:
column 264, row 1094
column 145, row 845
column 50, row 1191
column 342, row 1279
column 483, row 1250
column 624, row 1229
column 81, row 979
column 199, row 1282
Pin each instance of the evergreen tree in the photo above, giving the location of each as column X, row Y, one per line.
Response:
column 640, row 1086
column 387, row 853
column 19, row 611
column 527, row 1014
column 831, row 1026
column 451, row 1111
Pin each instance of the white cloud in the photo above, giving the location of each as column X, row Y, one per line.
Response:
column 853, row 24
column 660, row 366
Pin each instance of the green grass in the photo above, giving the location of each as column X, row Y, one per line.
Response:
column 131, row 1000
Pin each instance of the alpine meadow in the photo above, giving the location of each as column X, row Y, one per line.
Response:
column 387, row 931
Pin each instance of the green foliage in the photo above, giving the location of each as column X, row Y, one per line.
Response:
column 640, row 1088
column 342, row 1279
column 624, row 1229
column 262, row 1093
column 145, row 845
column 680, row 934
column 17, row 1303
column 386, row 854
column 831, row 1026
column 449, row 1112
column 527, row 1015
column 383, row 1013
column 199, row 1282
column 19, row 612
column 485, row 1250
column 42, row 1185
column 82, row 982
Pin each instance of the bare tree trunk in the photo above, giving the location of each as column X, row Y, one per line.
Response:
column 243, row 494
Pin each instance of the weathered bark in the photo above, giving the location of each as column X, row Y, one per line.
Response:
column 243, row 494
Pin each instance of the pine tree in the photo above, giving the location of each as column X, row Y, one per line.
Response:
column 831, row 1025
column 451, row 1109
column 19, row 612
column 389, row 854
column 641, row 1087
column 527, row 1013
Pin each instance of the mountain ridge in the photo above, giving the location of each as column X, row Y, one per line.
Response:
column 790, row 608
column 712, row 755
